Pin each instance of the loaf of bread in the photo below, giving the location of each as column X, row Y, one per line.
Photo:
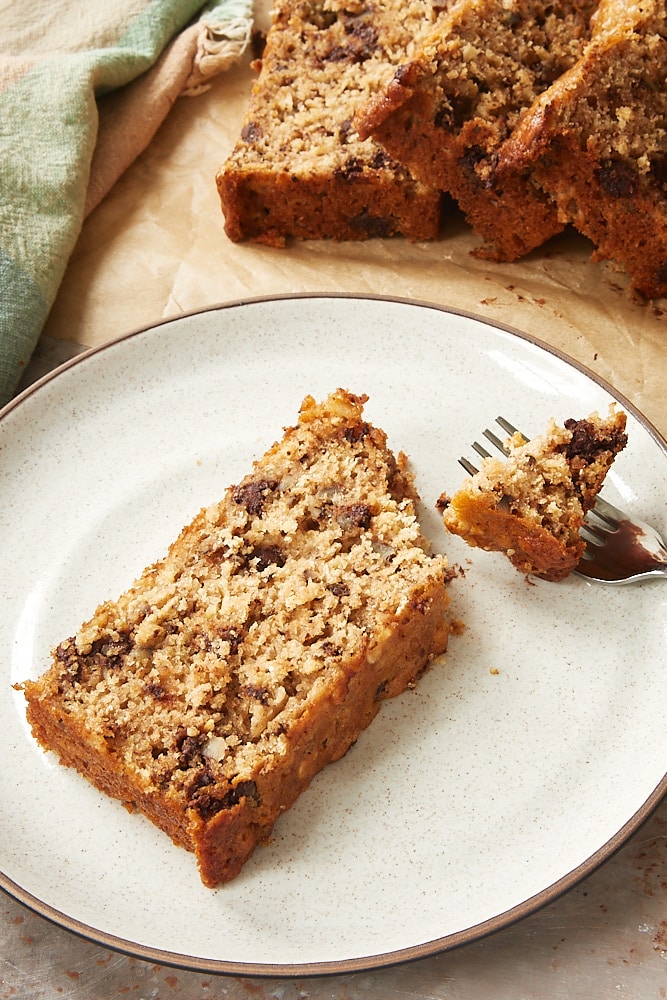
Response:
column 448, row 109
column 596, row 143
column 212, row 691
column 299, row 169
column 531, row 505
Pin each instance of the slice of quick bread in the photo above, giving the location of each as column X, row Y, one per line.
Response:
column 596, row 143
column 257, row 650
column 531, row 505
column 448, row 108
column 299, row 168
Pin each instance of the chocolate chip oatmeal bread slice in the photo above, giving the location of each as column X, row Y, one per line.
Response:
column 532, row 504
column 234, row 669
column 449, row 108
column 299, row 168
column 596, row 142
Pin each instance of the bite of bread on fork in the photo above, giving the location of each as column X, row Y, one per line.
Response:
column 531, row 502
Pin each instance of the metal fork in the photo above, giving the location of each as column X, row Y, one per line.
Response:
column 619, row 549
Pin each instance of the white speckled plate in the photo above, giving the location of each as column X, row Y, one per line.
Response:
column 519, row 763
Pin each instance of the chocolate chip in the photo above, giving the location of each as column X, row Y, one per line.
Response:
column 251, row 132
column 340, row 53
column 234, row 637
column 199, row 781
column 208, row 802
column 253, row 495
column 66, row 654
column 380, row 160
column 374, row 226
column 470, row 160
column 66, row 650
column 361, row 43
column 363, row 39
column 257, row 693
column 586, row 444
column 345, row 130
column 267, row 555
column 156, row 691
column 107, row 653
column 116, row 648
column 357, row 515
column 356, row 432
column 618, row 179
column 351, row 169
column 190, row 748
column 362, row 30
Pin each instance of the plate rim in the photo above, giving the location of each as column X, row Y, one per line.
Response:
column 423, row 949
column 365, row 963
column 225, row 304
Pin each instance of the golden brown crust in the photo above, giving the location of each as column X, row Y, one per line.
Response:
column 375, row 199
column 530, row 547
column 209, row 694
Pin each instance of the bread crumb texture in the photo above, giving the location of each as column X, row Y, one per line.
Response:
column 531, row 114
column 447, row 111
column 255, row 652
column 596, row 142
column 532, row 504
column 299, row 168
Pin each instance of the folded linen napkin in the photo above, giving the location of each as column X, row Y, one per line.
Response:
column 83, row 89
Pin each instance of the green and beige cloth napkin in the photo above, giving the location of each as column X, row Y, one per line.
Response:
column 84, row 86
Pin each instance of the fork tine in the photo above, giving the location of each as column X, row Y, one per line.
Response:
column 508, row 427
column 607, row 512
column 468, row 466
column 593, row 535
column 481, row 450
column 495, row 440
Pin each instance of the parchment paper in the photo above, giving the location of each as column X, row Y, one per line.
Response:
column 155, row 247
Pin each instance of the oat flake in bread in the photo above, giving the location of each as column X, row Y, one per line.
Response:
column 234, row 669
column 532, row 504
column 299, row 169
